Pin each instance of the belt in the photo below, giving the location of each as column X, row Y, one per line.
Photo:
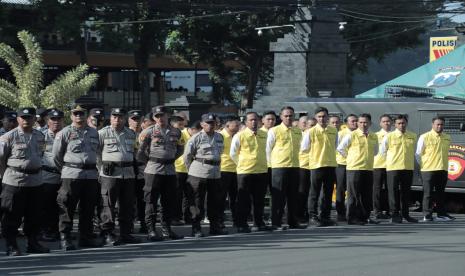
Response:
column 16, row 169
column 81, row 166
column 51, row 169
column 208, row 161
column 119, row 164
column 162, row 161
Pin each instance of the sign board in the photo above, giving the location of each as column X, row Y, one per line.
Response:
column 441, row 46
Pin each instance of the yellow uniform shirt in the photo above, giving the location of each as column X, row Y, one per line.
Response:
column 266, row 131
column 400, row 150
column 179, row 163
column 360, row 150
column 341, row 160
column 322, row 151
column 227, row 165
column 285, row 153
column 303, row 156
column 380, row 160
column 251, row 152
column 433, row 150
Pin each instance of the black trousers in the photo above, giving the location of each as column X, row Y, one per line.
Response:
column 178, row 209
column 161, row 187
column 304, row 190
column 72, row 191
column 341, row 188
column 434, row 185
column 359, row 191
column 322, row 181
column 113, row 190
column 229, row 188
column 49, row 221
column 196, row 191
column 399, row 184
column 18, row 203
column 380, row 191
column 139, row 199
column 251, row 189
column 285, row 186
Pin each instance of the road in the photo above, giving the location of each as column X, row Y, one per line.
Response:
column 385, row 249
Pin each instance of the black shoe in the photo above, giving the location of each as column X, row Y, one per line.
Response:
column 382, row 216
column 297, row 226
column 355, row 222
column 177, row 222
column 36, row 248
column 197, row 234
column 315, row 221
column 396, row 219
column 167, row 233
column 326, row 223
column 341, row 218
column 49, row 237
column 143, row 228
column 410, row 219
column 13, row 251
column 129, row 239
column 153, row 236
column 278, row 228
column 109, row 240
column 428, row 218
column 262, row 228
column 90, row 243
column 372, row 221
column 244, row 229
column 218, row 232
column 65, row 243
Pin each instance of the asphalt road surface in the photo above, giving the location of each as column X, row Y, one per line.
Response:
column 384, row 249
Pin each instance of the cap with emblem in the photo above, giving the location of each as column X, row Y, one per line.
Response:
column 26, row 112
column 159, row 109
column 77, row 108
column 96, row 112
column 55, row 113
column 209, row 117
column 135, row 113
column 118, row 111
column 42, row 112
column 11, row 115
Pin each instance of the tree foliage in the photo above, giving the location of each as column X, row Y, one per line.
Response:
column 28, row 89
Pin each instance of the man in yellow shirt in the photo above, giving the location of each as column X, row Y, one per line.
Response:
column 433, row 156
column 341, row 180
column 228, row 179
column 320, row 144
column 304, row 176
column 181, row 210
column 380, row 194
column 282, row 153
column 248, row 152
column 335, row 121
column 359, row 148
column 268, row 121
column 398, row 147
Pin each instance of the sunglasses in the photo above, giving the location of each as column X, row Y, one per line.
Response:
column 78, row 113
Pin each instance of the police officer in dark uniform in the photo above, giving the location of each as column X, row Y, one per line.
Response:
column 202, row 157
column 116, row 162
column 51, row 178
column 160, row 145
column 96, row 118
column 21, row 150
column 135, row 124
column 9, row 122
column 75, row 153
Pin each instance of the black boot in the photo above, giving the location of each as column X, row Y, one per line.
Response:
column 153, row 235
column 129, row 239
column 12, row 248
column 167, row 233
column 88, row 241
column 109, row 239
column 33, row 246
column 66, row 243
column 143, row 228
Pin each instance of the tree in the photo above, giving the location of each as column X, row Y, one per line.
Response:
column 28, row 88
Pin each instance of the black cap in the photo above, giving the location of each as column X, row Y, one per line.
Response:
column 135, row 113
column 26, row 112
column 55, row 113
column 11, row 115
column 159, row 109
column 118, row 111
column 41, row 112
column 209, row 117
column 148, row 116
column 96, row 112
column 78, row 108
